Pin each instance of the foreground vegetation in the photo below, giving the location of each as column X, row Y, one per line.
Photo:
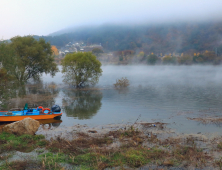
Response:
column 128, row 147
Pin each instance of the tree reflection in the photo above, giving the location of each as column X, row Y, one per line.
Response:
column 82, row 104
column 48, row 124
column 123, row 91
column 8, row 90
column 15, row 95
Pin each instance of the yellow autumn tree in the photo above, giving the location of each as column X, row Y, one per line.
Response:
column 169, row 59
column 141, row 54
column 55, row 51
column 185, row 59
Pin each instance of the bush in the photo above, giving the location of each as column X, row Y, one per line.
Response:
column 120, row 58
column 152, row 59
column 207, row 57
column 186, row 59
column 169, row 59
column 121, row 83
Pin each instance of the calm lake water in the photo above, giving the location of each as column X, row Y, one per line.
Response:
column 167, row 94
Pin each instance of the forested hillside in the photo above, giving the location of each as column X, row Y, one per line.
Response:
column 168, row 38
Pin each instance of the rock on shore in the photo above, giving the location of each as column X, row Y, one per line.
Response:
column 25, row 126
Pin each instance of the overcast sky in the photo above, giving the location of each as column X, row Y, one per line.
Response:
column 42, row 17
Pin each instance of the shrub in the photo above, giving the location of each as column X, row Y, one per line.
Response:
column 152, row 59
column 186, row 59
column 121, row 83
column 169, row 59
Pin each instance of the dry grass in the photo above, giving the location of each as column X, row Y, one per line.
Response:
column 192, row 155
column 78, row 145
column 130, row 132
column 23, row 165
column 208, row 120
column 123, row 147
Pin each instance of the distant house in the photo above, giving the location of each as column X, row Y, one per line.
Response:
column 70, row 51
column 90, row 47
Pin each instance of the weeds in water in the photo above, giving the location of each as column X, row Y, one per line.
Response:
column 127, row 132
column 121, row 83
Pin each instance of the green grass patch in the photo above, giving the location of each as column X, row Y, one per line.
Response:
column 59, row 157
column 100, row 159
column 136, row 157
column 52, row 161
column 25, row 143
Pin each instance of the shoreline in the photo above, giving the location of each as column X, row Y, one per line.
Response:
column 123, row 146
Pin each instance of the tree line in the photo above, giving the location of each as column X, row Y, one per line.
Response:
column 208, row 57
column 181, row 38
column 25, row 58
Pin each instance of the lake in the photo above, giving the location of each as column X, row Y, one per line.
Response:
column 168, row 94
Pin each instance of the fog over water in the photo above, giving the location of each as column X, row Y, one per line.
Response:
column 167, row 94
column 25, row 15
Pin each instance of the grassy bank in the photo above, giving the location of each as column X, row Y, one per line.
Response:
column 123, row 148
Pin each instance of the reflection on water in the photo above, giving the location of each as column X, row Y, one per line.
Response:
column 44, row 124
column 9, row 90
column 82, row 104
column 49, row 124
column 38, row 94
column 166, row 94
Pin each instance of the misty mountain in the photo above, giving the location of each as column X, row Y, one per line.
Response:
column 165, row 38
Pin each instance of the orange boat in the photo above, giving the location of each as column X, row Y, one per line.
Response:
column 34, row 113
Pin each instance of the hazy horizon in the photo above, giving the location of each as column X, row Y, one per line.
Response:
column 44, row 17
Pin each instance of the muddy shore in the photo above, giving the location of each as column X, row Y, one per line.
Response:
column 139, row 145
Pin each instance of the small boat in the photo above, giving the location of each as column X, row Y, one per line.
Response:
column 34, row 113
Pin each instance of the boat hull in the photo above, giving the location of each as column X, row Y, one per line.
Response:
column 37, row 117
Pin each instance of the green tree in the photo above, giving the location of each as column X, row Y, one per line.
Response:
column 81, row 69
column 7, row 61
column 3, row 74
column 25, row 58
column 152, row 59
column 97, row 51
